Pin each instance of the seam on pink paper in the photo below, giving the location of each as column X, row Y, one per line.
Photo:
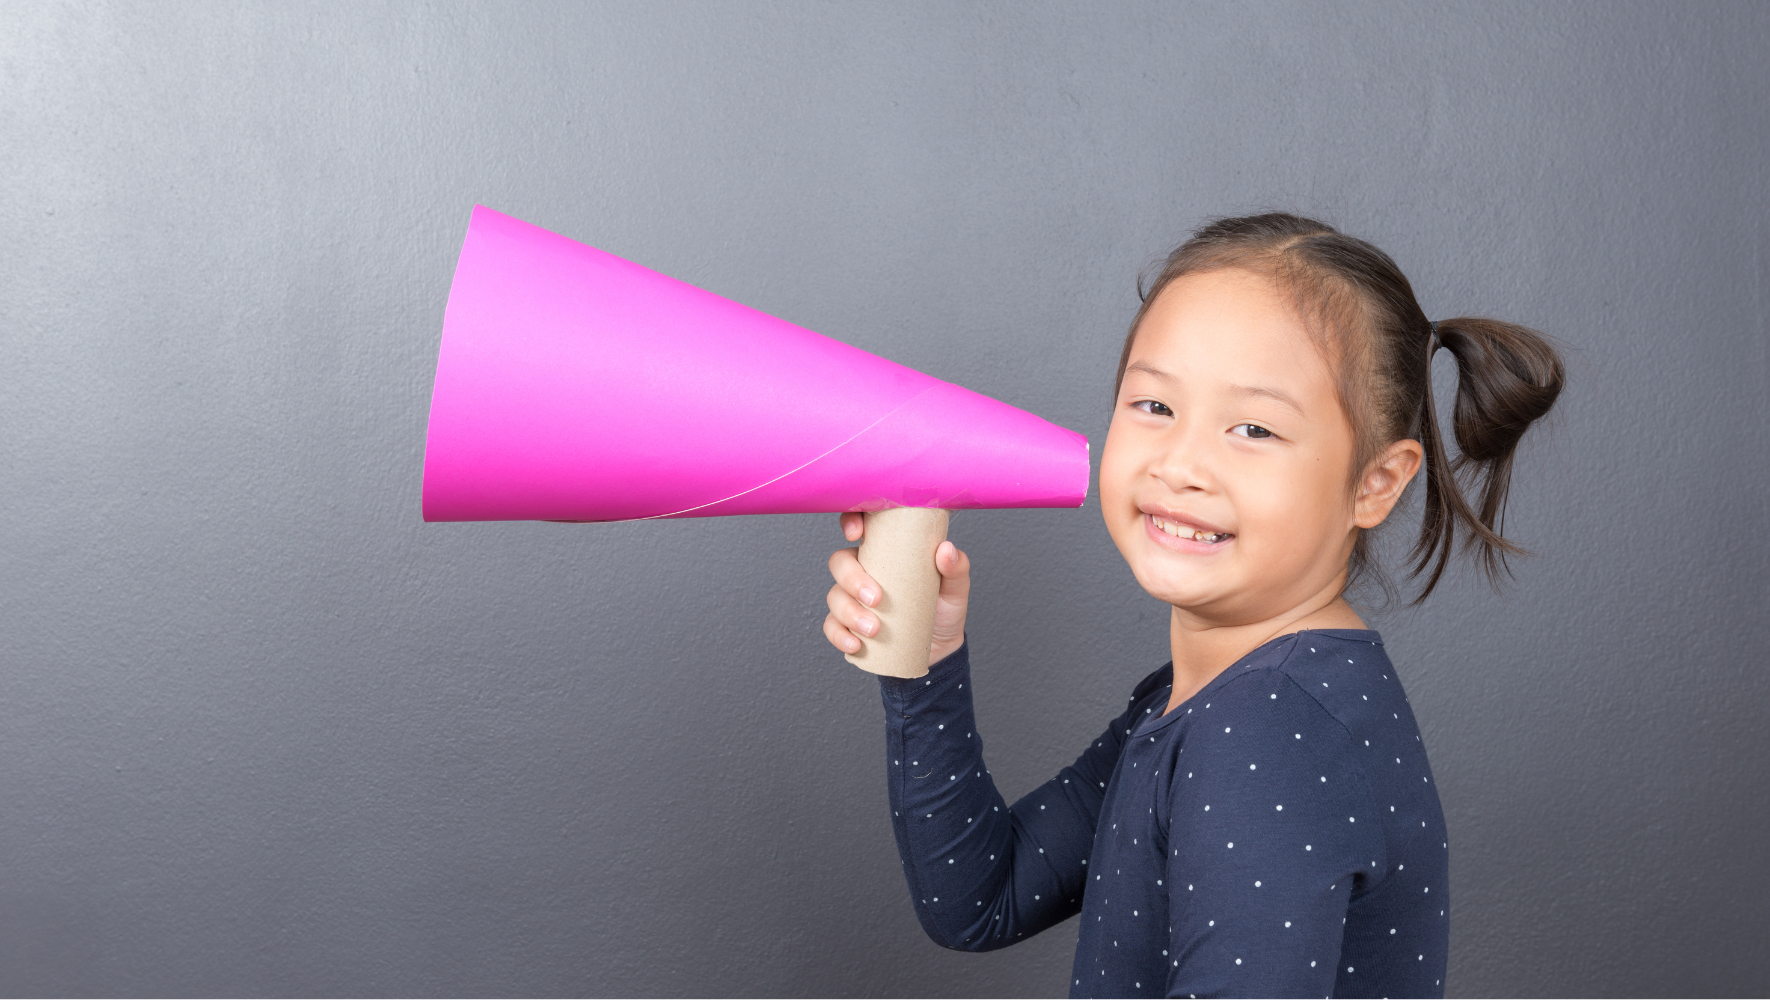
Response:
column 836, row 447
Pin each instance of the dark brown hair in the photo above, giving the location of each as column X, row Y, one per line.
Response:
column 1362, row 310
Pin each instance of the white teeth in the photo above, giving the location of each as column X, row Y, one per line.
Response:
column 1179, row 532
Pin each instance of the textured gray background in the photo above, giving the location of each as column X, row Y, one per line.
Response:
column 264, row 732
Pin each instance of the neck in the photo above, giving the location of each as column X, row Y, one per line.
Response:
column 1203, row 648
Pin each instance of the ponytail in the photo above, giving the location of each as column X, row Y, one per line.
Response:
column 1507, row 377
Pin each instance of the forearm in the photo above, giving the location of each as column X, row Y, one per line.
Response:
column 981, row 875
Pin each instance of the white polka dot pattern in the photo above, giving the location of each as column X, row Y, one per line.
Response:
column 1304, row 787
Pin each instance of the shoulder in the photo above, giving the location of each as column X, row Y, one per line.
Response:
column 1294, row 696
column 1262, row 704
column 1349, row 675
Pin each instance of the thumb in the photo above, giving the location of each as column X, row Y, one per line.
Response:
column 955, row 570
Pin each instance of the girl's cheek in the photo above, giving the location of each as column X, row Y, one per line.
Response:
column 1118, row 475
column 1114, row 478
column 1288, row 512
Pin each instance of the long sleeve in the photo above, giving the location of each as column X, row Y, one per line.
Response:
column 1271, row 833
column 983, row 874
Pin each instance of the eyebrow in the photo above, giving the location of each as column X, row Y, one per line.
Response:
column 1241, row 390
column 1266, row 393
column 1148, row 369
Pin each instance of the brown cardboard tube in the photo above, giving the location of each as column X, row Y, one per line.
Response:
column 897, row 551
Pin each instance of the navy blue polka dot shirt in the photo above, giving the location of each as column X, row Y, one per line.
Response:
column 1277, row 834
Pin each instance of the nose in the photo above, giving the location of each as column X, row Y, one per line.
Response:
column 1184, row 462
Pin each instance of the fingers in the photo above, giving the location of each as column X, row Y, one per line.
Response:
column 847, row 621
column 845, row 567
column 851, row 620
column 849, row 613
column 855, row 591
column 840, row 637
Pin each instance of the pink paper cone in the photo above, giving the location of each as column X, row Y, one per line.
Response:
column 573, row 385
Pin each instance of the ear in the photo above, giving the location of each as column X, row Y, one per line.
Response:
column 1384, row 479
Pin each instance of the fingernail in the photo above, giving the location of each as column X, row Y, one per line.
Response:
column 867, row 597
column 867, row 626
column 852, row 645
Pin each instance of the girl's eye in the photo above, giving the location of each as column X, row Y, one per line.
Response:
column 1152, row 406
column 1250, row 430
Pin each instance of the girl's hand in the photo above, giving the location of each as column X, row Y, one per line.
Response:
column 849, row 623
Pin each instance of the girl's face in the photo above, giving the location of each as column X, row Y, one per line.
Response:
column 1226, row 477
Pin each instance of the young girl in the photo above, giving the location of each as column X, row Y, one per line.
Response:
column 1261, row 820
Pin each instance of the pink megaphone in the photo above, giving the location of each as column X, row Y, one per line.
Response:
column 573, row 385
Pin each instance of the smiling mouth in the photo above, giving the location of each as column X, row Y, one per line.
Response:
column 1192, row 534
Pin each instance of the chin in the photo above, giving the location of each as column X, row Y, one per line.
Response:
column 1172, row 585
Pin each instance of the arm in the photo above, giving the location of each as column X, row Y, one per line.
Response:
column 983, row 874
column 1265, row 917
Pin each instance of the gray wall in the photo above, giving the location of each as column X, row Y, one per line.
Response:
column 262, row 731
